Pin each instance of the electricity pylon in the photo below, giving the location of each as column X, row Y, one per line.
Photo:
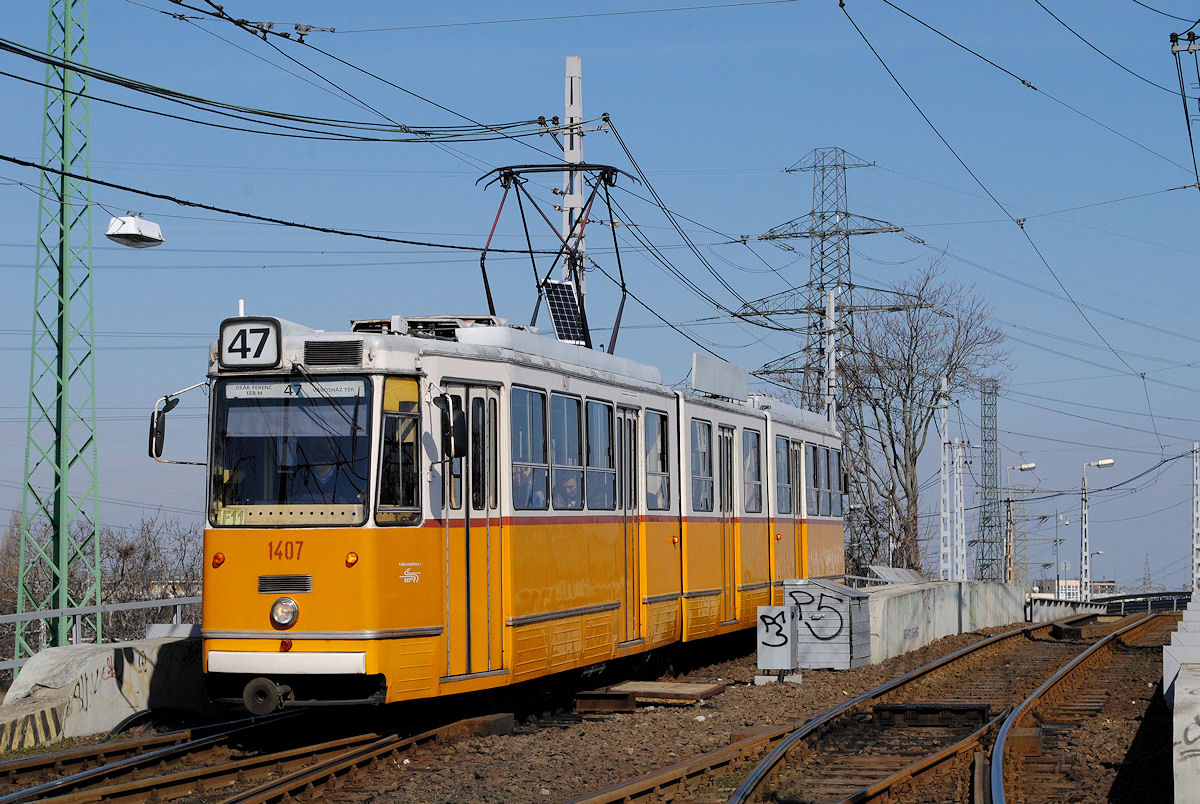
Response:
column 828, row 228
column 59, row 551
column 991, row 541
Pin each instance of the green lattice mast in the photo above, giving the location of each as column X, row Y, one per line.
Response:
column 59, row 555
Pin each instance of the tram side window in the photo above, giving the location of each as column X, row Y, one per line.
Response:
column 531, row 474
column 601, row 471
column 566, row 450
column 783, row 474
column 835, row 481
column 702, row 469
column 456, row 464
column 399, row 490
column 752, row 470
column 483, row 453
column 824, row 475
column 658, row 462
column 813, row 478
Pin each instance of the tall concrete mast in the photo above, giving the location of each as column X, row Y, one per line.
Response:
column 572, row 190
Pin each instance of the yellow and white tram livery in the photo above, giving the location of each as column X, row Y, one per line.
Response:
column 422, row 507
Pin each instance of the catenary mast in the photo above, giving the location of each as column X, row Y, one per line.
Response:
column 59, row 550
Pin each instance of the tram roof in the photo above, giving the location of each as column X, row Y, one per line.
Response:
column 494, row 339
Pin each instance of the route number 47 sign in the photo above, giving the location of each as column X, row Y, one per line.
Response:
column 248, row 343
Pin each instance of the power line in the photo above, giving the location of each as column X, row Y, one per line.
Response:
column 262, row 30
column 307, row 125
column 1030, row 85
column 670, row 217
column 1109, row 58
column 995, row 200
column 251, row 216
column 1130, row 428
column 558, row 17
column 1010, row 393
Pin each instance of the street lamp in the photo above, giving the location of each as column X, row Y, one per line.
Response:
column 1024, row 467
column 1085, row 557
column 1009, row 559
column 1066, row 520
column 134, row 231
column 1098, row 553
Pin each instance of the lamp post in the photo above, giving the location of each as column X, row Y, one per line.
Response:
column 1085, row 556
column 1066, row 520
column 1009, row 557
column 1097, row 553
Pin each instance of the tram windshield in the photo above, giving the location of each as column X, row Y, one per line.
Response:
column 288, row 451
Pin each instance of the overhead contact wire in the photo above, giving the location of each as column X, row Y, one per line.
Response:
column 250, row 215
column 985, row 189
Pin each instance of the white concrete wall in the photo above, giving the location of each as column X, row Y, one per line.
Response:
column 1185, row 743
column 908, row 616
column 1042, row 610
column 95, row 687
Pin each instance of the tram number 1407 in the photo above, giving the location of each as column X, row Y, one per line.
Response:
column 284, row 550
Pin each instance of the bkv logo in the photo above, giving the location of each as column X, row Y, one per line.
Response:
column 411, row 574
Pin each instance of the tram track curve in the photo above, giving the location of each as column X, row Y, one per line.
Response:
column 717, row 772
column 1032, row 758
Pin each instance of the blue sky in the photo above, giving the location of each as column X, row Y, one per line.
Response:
column 714, row 101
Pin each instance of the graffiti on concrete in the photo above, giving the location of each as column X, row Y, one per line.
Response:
column 126, row 668
column 1187, row 748
column 821, row 614
column 772, row 633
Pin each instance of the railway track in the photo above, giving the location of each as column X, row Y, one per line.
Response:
column 209, row 766
column 1035, row 758
column 920, row 737
column 60, row 773
column 921, row 732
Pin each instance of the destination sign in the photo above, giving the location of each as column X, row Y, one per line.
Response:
column 298, row 389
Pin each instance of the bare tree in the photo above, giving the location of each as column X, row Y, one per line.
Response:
column 892, row 375
column 38, row 586
column 153, row 559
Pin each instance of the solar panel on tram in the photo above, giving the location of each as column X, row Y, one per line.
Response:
column 564, row 310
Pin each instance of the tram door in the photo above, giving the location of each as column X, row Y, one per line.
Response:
column 725, row 479
column 473, row 550
column 625, row 442
column 796, row 459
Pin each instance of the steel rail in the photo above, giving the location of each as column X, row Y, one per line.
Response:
column 998, row 747
column 59, row 761
column 931, row 763
column 77, row 780
column 312, row 776
column 657, row 781
column 756, row 777
column 207, row 779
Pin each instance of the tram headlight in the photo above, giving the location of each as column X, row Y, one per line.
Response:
column 284, row 612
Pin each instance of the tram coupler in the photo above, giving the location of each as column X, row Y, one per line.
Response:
column 263, row 696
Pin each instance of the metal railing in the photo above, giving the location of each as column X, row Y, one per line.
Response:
column 859, row 581
column 76, row 615
column 1145, row 602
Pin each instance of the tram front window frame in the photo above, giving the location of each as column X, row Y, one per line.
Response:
column 290, row 451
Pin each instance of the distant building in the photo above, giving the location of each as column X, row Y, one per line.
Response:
column 1068, row 588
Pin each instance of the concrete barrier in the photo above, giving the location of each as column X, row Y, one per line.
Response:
column 1184, row 648
column 908, row 616
column 80, row 690
column 1043, row 610
column 1185, row 742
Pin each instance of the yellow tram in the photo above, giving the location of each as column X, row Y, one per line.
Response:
column 422, row 507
